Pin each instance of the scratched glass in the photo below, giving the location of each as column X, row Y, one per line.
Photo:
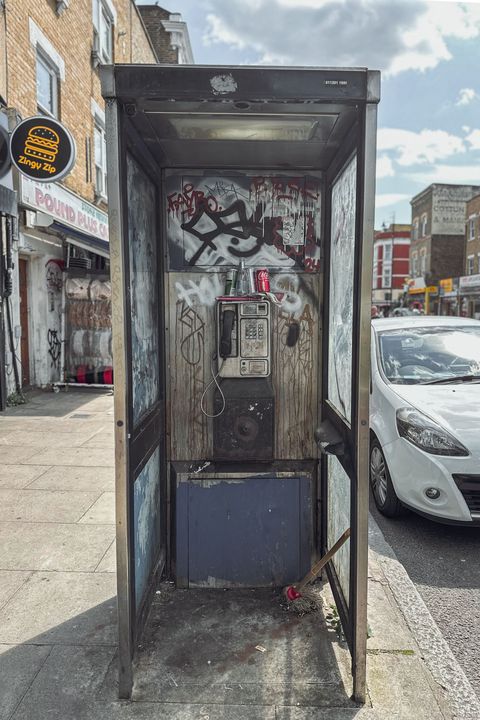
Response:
column 142, row 237
column 341, row 291
column 338, row 504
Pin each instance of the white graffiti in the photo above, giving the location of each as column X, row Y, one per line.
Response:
column 292, row 302
column 200, row 292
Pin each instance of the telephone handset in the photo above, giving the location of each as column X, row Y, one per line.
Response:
column 243, row 338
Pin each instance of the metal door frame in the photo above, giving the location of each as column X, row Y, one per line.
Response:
column 356, row 438
column 133, row 445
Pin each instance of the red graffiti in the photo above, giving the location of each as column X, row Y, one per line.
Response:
column 311, row 265
column 189, row 201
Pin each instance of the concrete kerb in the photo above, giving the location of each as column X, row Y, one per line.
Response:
column 434, row 650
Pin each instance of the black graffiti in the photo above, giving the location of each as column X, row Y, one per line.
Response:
column 54, row 347
column 264, row 229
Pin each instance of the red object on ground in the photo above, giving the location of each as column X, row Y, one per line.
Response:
column 292, row 594
column 108, row 376
column 81, row 374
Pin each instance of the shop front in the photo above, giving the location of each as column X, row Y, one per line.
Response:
column 469, row 292
column 64, row 287
column 448, row 302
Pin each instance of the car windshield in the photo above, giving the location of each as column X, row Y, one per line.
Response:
column 432, row 354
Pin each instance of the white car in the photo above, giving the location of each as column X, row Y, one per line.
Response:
column 425, row 417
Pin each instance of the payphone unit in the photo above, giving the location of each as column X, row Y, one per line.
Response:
column 243, row 338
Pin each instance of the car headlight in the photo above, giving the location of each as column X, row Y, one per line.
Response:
column 426, row 434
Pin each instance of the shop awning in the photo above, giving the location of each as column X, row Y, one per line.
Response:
column 86, row 242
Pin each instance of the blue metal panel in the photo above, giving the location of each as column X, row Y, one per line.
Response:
column 146, row 523
column 244, row 532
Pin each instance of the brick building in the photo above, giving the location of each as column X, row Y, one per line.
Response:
column 438, row 234
column 390, row 264
column 469, row 283
column 168, row 34
column 51, row 51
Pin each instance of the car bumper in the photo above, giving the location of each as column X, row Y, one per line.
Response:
column 413, row 471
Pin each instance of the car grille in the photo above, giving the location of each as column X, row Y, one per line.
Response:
column 469, row 486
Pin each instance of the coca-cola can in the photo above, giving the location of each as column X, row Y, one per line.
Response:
column 262, row 280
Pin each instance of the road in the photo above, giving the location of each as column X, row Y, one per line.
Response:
column 443, row 562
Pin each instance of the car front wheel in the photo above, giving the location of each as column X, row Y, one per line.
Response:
column 383, row 491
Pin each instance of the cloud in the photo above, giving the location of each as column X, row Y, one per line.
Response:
column 390, row 35
column 426, row 146
column 473, row 139
column 387, row 199
column 465, row 96
column 384, row 167
column 443, row 173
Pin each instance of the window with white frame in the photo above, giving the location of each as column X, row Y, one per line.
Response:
column 387, row 252
column 423, row 261
column 424, row 225
column 103, row 23
column 415, row 229
column 414, row 264
column 47, row 86
column 470, row 264
column 100, row 156
column 49, row 70
column 471, row 229
column 387, row 276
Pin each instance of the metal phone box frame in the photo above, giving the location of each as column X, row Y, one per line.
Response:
column 163, row 120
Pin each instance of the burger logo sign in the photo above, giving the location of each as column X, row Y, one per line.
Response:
column 42, row 149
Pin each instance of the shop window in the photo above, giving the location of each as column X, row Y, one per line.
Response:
column 103, row 23
column 470, row 264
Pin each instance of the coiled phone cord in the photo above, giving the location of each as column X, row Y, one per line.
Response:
column 213, row 380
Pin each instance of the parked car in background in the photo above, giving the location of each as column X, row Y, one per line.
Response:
column 425, row 417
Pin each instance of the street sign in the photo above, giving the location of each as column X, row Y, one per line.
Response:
column 42, row 149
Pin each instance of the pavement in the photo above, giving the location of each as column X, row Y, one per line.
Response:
column 58, row 607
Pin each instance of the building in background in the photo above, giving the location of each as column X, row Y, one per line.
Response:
column 469, row 283
column 168, row 33
column 60, row 303
column 438, row 239
column 390, row 265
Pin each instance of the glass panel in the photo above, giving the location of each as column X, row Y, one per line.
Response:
column 341, row 291
column 338, row 504
column 146, row 523
column 254, row 127
column 143, row 288
column 45, row 92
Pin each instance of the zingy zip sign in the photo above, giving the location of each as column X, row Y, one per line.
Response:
column 42, row 149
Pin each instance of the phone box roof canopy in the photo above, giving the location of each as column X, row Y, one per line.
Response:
column 211, row 116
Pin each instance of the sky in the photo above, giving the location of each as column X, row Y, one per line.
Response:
column 428, row 53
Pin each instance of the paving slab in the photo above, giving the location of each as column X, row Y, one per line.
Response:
column 61, row 477
column 43, row 546
column 102, row 511
column 19, row 476
column 62, row 608
column 80, row 457
column 43, row 438
column 71, row 684
column 18, row 667
column 101, row 440
column 388, row 629
column 408, row 693
column 33, row 505
column 10, row 582
column 13, row 454
column 61, row 425
column 109, row 561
